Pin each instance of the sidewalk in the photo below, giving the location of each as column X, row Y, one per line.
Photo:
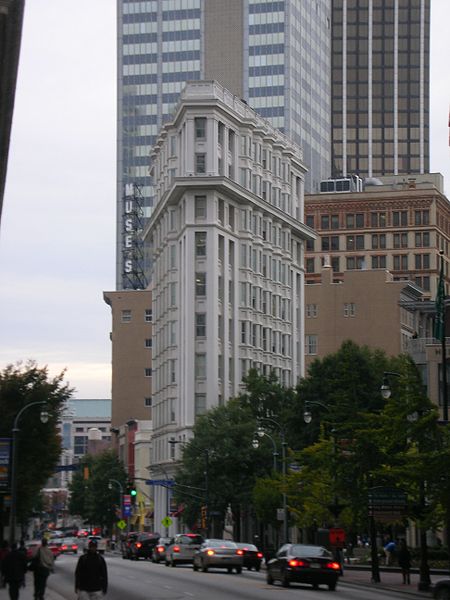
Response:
column 391, row 579
column 26, row 593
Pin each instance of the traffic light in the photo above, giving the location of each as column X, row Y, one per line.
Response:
column 204, row 516
column 132, row 492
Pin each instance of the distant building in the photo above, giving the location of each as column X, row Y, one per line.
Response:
column 380, row 73
column 397, row 224
column 368, row 307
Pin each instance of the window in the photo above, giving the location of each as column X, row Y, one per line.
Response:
column 148, row 401
column 126, row 316
column 335, row 264
column 349, row 309
column 400, row 240
column 200, row 404
column 173, row 370
column 200, row 244
column 311, row 311
column 378, row 219
column 330, row 243
column 200, row 284
column 355, row 262
column 355, row 220
column 148, row 315
column 200, row 207
column 422, row 239
column 148, row 343
column 423, row 282
column 359, row 242
column 400, row 262
column 310, row 265
column 334, row 221
column 200, row 325
column 310, row 221
column 400, row 218
column 324, row 222
column 200, row 366
column 200, row 128
column 310, row 344
column 421, row 261
column 378, row 262
column 148, row 372
column 200, row 163
column 421, row 217
column 378, row 241
column 350, row 242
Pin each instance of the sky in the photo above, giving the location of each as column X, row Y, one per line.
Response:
column 57, row 237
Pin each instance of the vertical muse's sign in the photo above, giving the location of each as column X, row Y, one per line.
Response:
column 129, row 229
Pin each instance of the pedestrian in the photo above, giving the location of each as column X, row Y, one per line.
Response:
column 389, row 551
column 4, row 549
column 404, row 561
column 91, row 574
column 14, row 567
column 42, row 566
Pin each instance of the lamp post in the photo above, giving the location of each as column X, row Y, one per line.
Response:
column 282, row 433
column 255, row 443
column 15, row 430
column 120, row 486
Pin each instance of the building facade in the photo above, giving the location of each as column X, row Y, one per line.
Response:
column 400, row 226
column 380, row 87
column 275, row 55
column 131, row 388
column 228, row 238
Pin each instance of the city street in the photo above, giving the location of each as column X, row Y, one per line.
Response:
column 143, row 580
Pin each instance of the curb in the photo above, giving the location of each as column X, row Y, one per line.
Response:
column 387, row 588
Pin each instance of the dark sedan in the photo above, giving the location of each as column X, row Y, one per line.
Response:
column 441, row 589
column 143, row 545
column 301, row 563
column 252, row 556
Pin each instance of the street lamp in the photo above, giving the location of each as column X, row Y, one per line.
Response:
column 44, row 416
column 261, row 433
column 255, row 443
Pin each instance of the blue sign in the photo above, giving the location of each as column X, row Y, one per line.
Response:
column 5, row 445
column 163, row 482
column 126, row 510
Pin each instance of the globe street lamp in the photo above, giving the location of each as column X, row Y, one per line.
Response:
column 261, row 433
column 44, row 416
column 255, row 443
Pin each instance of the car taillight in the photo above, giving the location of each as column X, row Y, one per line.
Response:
column 74, row 547
column 334, row 565
column 138, row 544
column 259, row 555
column 64, row 547
column 210, row 552
column 240, row 552
column 176, row 548
column 297, row 563
column 160, row 549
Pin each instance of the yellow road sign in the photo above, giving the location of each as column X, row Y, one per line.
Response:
column 166, row 522
column 121, row 524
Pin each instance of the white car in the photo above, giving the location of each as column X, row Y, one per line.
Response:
column 182, row 549
column 101, row 543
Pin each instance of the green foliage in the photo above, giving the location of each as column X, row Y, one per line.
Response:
column 38, row 444
column 92, row 498
column 266, row 498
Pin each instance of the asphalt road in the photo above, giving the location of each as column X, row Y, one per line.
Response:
column 143, row 580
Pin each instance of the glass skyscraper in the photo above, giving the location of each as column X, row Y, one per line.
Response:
column 380, row 87
column 273, row 54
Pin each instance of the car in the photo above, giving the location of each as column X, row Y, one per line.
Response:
column 143, row 545
column 127, row 543
column 441, row 589
column 69, row 545
column 182, row 548
column 54, row 545
column 159, row 551
column 33, row 546
column 218, row 554
column 252, row 556
column 302, row 563
column 101, row 543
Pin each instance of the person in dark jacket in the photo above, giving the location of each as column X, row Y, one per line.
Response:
column 404, row 561
column 91, row 575
column 14, row 567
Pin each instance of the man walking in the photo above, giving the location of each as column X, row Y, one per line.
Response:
column 91, row 575
column 14, row 567
column 42, row 565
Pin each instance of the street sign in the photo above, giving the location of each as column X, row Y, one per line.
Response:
column 127, row 510
column 280, row 514
column 387, row 504
column 337, row 537
column 121, row 524
column 5, row 444
column 166, row 522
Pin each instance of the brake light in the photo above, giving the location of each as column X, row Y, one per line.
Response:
column 259, row 555
column 297, row 563
column 240, row 552
column 334, row 565
column 160, row 549
column 210, row 552
column 74, row 547
column 64, row 547
column 138, row 544
column 176, row 548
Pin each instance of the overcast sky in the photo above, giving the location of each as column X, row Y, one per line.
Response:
column 57, row 239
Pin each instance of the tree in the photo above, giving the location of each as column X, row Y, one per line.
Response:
column 91, row 496
column 38, row 444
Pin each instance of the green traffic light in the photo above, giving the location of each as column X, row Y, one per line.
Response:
column 133, row 492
